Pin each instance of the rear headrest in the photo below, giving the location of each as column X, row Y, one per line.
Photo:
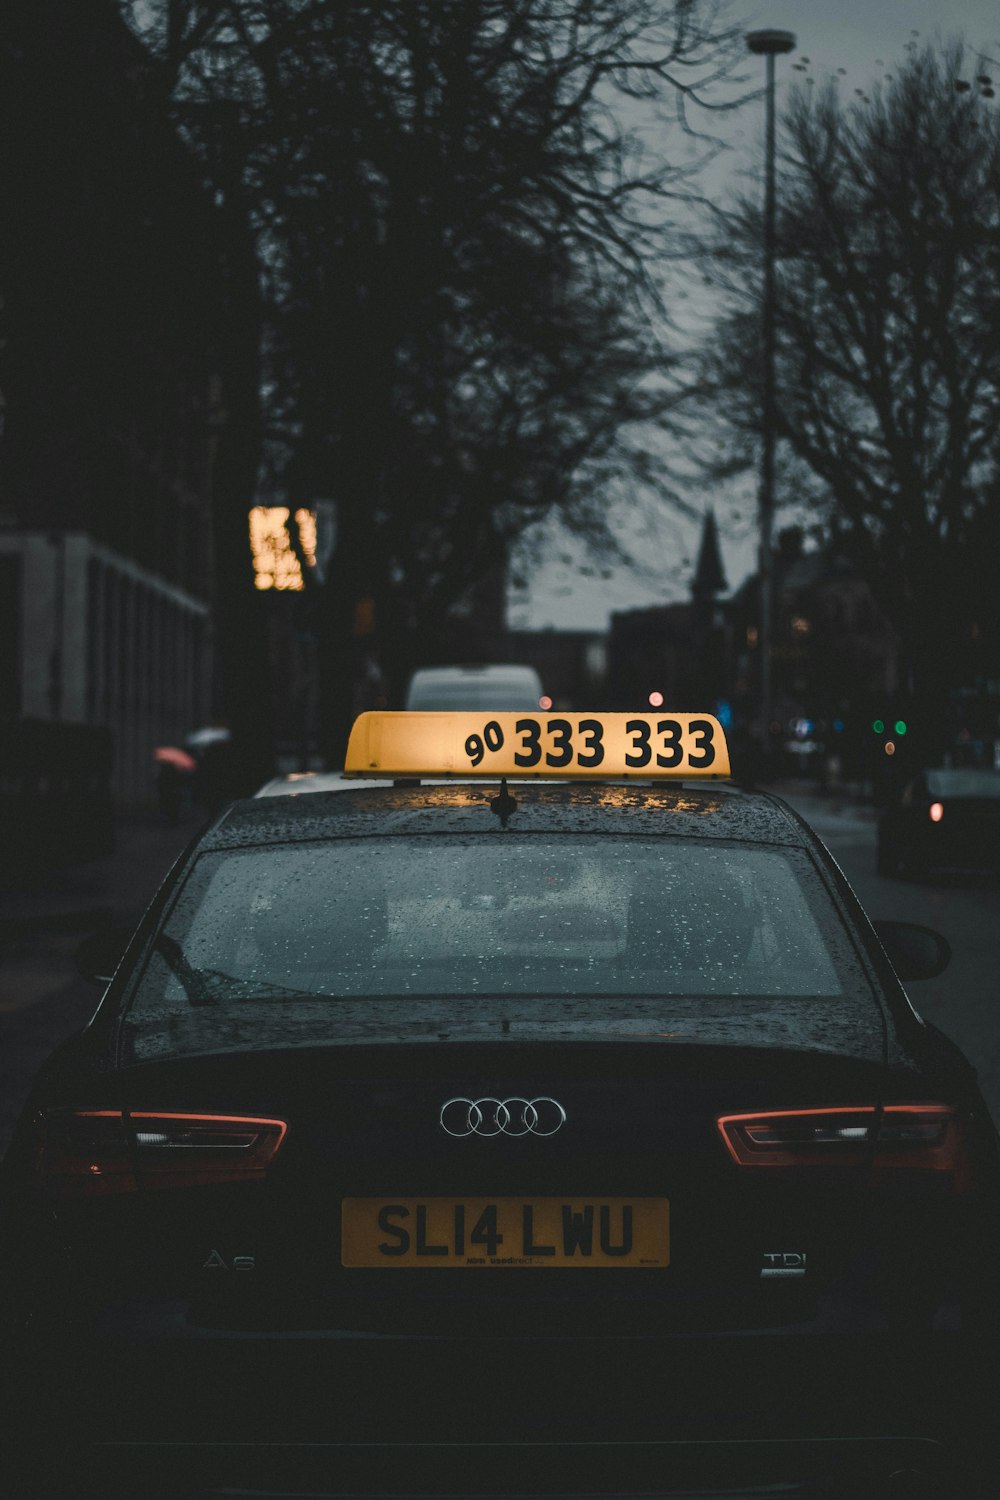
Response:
column 691, row 927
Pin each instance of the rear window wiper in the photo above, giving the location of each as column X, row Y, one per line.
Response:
column 208, row 986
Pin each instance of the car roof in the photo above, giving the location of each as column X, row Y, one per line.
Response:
column 351, row 807
column 497, row 685
column 963, row 776
column 492, row 671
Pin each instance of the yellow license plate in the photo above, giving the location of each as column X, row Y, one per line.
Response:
column 446, row 1232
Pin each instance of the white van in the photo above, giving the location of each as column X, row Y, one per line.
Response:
column 498, row 687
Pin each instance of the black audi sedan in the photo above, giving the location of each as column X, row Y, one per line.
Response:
column 457, row 1130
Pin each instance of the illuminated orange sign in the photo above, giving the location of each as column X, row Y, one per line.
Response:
column 275, row 563
column 590, row 746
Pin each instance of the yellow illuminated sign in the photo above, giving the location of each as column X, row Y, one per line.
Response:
column 275, row 563
column 591, row 747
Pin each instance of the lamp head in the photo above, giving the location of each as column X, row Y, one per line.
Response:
column 770, row 43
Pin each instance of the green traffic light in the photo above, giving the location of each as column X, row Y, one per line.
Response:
column 878, row 726
column 900, row 726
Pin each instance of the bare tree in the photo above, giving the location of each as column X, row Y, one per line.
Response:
column 888, row 361
column 456, row 239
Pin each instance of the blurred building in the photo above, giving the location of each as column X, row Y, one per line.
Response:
column 834, row 666
column 110, row 378
column 572, row 664
column 92, row 638
column 834, row 659
column 682, row 651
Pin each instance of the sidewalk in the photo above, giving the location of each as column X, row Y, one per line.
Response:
column 117, row 887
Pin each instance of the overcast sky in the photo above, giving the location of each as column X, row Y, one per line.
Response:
column 864, row 38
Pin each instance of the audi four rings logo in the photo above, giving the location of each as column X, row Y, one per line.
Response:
column 502, row 1116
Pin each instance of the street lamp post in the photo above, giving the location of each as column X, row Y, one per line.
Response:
column 767, row 44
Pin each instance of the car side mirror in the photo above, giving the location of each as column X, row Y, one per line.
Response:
column 915, row 952
column 100, row 953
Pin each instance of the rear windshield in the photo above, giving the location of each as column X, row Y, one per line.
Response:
column 543, row 917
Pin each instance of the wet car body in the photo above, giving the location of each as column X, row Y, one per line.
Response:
column 206, row 1329
column 945, row 818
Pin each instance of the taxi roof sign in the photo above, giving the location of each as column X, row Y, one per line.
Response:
column 594, row 746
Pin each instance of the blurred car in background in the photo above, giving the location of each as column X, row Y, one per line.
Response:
column 499, row 686
column 944, row 817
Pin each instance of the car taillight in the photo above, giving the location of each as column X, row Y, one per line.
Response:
column 894, row 1139
column 87, row 1153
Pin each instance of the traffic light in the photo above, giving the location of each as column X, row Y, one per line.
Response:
column 899, row 727
column 890, row 729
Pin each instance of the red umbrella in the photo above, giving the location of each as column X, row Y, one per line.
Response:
column 172, row 755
